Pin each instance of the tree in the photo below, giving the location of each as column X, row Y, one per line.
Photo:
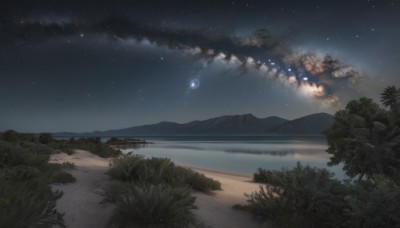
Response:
column 10, row 136
column 364, row 139
column 391, row 98
column 45, row 138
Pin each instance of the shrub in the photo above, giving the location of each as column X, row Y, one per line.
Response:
column 94, row 145
column 45, row 138
column 29, row 203
column 68, row 165
column 23, row 153
column 125, row 168
column 159, row 170
column 200, row 182
column 373, row 205
column 302, row 197
column 153, row 205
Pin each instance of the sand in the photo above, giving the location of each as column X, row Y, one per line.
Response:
column 81, row 200
column 216, row 210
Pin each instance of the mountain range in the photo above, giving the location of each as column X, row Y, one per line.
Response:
column 246, row 124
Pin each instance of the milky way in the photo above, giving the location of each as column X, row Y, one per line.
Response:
column 314, row 75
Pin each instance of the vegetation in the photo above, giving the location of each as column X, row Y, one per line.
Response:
column 94, row 145
column 26, row 199
column 136, row 168
column 366, row 140
column 68, row 165
column 154, row 192
column 148, row 205
column 301, row 197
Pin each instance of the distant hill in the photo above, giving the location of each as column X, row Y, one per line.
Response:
column 246, row 124
column 307, row 125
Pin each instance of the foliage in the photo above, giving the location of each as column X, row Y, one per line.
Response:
column 26, row 199
column 302, row 197
column 23, row 153
column 94, row 145
column 29, row 203
column 373, row 204
column 45, row 138
column 391, row 98
column 148, row 205
column 135, row 168
column 68, row 165
column 364, row 139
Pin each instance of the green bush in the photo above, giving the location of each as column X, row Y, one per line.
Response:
column 153, row 206
column 200, row 182
column 23, row 153
column 94, row 145
column 29, row 203
column 126, row 168
column 373, row 205
column 26, row 199
column 159, row 170
column 302, row 197
column 68, row 165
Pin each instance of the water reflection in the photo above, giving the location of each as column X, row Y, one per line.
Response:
column 241, row 156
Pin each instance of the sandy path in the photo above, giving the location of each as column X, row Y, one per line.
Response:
column 81, row 200
column 216, row 210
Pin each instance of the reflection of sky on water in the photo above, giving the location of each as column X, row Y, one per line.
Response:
column 243, row 156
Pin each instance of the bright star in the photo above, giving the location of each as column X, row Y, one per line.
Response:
column 194, row 84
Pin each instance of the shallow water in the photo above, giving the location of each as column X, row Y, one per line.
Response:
column 241, row 155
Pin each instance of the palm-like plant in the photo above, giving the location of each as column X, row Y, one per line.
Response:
column 391, row 98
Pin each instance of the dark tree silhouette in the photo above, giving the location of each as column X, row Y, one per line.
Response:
column 365, row 140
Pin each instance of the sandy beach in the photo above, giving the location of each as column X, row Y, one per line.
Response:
column 81, row 200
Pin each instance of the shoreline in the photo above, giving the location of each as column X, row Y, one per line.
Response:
column 81, row 200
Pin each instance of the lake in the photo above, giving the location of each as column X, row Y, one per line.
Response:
column 240, row 154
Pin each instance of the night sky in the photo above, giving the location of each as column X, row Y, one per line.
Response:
column 75, row 65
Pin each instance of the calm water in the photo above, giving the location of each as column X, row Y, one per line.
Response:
column 241, row 154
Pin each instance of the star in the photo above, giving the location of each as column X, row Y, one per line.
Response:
column 194, row 84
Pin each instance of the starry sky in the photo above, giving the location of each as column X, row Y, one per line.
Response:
column 81, row 65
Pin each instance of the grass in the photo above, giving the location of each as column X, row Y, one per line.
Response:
column 301, row 197
column 136, row 168
column 147, row 205
column 68, row 165
column 26, row 199
column 154, row 192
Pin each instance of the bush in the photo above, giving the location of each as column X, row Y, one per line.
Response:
column 23, row 153
column 200, row 182
column 159, row 170
column 94, row 145
column 68, row 165
column 26, row 199
column 125, row 168
column 153, row 205
column 29, row 203
column 373, row 205
column 302, row 197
